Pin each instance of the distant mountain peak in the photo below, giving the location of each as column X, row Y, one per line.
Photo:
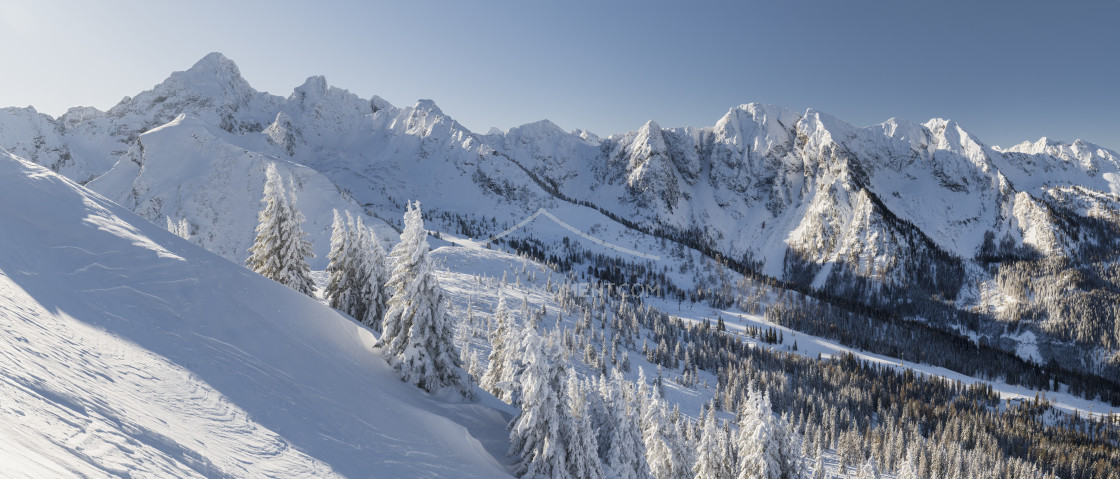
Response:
column 428, row 105
column 214, row 62
column 537, row 129
column 214, row 69
column 317, row 83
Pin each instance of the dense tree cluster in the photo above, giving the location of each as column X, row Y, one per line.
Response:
column 874, row 419
column 358, row 274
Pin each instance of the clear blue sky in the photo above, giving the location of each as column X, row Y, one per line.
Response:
column 1007, row 71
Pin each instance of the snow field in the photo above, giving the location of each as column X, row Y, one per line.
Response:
column 126, row 349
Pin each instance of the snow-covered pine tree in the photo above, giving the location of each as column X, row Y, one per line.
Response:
column 536, row 433
column 757, row 440
column 818, row 467
column 686, row 449
column 869, row 470
column 357, row 274
column 339, row 267
column 474, row 369
column 380, row 301
column 583, row 448
column 179, row 228
column 793, row 464
column 297, row 249
column 725, row 444
column 266, row 250
column 513, row 364
column 602, row 414
column 417, row 339
column 683, row 451
column 662, row 442
column 498, row 349
column 280, row 249
column 909, row 467
column 355, row 268
column 712, row 459
column 372, row 277
column 627, row 456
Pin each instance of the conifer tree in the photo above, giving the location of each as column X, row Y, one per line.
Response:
column 665, row 452
column 355, row 265
column 627, row 456
column 659, row 455
column 339, row 266
column 757, row 440
column 601, row 408
column 357, row 273
column 792, row 464
column 869, row 470
column 474, row 369
column 417, row 339
column 266, row 250
column 536, row 432
column 712, row 460
column 498, row 349
column 181, row 228
column 381, row 267
column 372, row 277
column 280, row 249
column 583, row 448
column 725, row 444
column 509, row 383
column 685, row 453
column 818, row 467
column 297, row 249
column 909, row 468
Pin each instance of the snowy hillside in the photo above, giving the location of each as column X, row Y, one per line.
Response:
column 183, row 170
column 128, row 351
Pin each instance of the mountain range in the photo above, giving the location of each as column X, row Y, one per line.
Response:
column 920, row 220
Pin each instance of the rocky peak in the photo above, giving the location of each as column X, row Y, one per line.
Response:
column 756, row 126
column 218, row 68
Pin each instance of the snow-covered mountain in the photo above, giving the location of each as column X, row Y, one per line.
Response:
column 896, row 209
column 766, row 179
column 125, row 350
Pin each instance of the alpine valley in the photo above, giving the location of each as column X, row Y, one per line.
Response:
column 902, row 285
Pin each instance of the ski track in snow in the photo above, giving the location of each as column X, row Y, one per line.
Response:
column 566, row 226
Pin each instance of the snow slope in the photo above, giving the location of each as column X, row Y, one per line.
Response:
column 184, row 170
column 125, row 350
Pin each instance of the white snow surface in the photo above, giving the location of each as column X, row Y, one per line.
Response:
column 127, row 351
column 184, row 170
